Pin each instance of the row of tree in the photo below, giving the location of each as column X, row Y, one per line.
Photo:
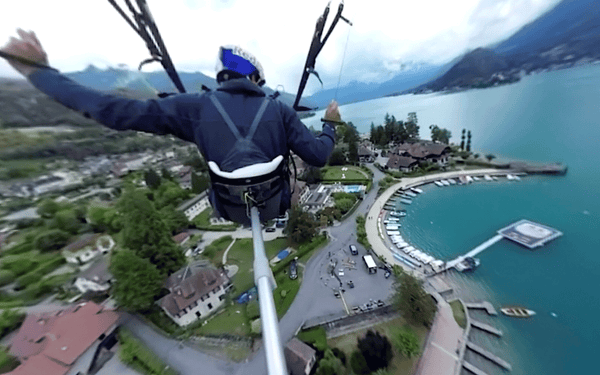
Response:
column 397, row 131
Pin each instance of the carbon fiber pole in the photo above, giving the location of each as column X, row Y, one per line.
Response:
column 263, row 278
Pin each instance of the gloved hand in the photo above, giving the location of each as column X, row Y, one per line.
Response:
column 332, row 113
column 27, row 47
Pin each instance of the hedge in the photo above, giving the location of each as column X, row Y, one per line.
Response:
column 134, row 353
column 29, row 278
column 7, row 277
column 302, row 250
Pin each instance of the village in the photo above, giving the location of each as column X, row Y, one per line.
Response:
column 61, row 229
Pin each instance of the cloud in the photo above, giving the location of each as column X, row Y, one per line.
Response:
column 385, row 37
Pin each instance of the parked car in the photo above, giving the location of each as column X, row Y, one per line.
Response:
column 293, row 270
column 353, row 250
column 270, row 229
column 337, row 294
column 341, row 273
column 380, row 303
column 387, row 274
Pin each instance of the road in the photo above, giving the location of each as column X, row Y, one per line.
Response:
column 314, row 299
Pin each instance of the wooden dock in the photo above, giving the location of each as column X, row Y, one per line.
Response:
column 473, row 369
column 486, row 327
column 497, row 360
column 482, row 305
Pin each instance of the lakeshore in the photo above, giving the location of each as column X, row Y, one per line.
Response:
column 445, row 349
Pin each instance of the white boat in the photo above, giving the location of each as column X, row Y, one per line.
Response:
column 517, row 312
column 452, row 181
column 467, row 264
column 438, row 183
column 409, row 249
column 510, row 177
column 469, row 179
column 462, row 180
column 494, row 178
column 392, row 232
column 417, row 190
column 487, row 177
column 517, row 178
column 476, row 178
column 405, row 201
column 410, row 194
column 445, row 182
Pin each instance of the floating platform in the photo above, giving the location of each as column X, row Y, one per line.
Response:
column 529, row 233
column 486, row 327
column 494, row 358
column 473, row 369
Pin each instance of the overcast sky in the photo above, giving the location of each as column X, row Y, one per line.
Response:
column 386, row 35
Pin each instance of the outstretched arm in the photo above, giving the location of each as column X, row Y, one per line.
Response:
column 162, row 116
column 313, row 150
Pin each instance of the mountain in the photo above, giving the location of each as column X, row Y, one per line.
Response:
column 567, row 35
column 356, row 91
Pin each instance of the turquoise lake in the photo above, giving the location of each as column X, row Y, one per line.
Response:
column 548, row 117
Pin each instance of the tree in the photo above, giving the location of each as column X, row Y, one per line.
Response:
column 407, row 342
column 301, row 226
column 373, row 133
column 490, row 157
column 359, row 364
column 152, row 179
column 330, row 365
column 440, row 135
column 469, row 141
column 104, row 219
column 313, row 175
column 53, row 239
column 67, row 220
column 200, row 182
column 344, row 205
column 47, row 208
column 337, row 157
column 196, row 162
column 376, row 349
column 169, row 194
column 146, row 234
column 175, row 220
column 166, row 175
column 137, row 280
column 411, row 127
column 411, row 299
column 462, row 140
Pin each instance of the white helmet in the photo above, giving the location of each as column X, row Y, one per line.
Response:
column 234, row 62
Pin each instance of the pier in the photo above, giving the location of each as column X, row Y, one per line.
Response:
column 499, row 361
column 486, row 327
column 474, row 252
column 473, row 369
column 482, row 305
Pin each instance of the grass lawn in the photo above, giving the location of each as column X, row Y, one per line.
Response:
column 202, row 221
column 291, row 288
column 242, row 254
column 400, row 365
column 231, row 320
column 459, row 313
column 27, row 167
column 215, row 250
column 335, row 174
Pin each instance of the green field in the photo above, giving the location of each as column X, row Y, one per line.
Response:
column 399, row 365
column 459, row 313
column 335, row 173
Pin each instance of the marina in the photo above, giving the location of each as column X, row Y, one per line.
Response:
column 486, row 327
column 484, row 353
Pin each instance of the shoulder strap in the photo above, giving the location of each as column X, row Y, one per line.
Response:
column 257, row 119
column 225, row 116
column 230, row 123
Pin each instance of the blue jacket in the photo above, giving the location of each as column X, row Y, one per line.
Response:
column 194, row 118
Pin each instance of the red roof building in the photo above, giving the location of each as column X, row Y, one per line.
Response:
column 52, row 343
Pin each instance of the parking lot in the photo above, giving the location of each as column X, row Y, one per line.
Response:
column 368, row 288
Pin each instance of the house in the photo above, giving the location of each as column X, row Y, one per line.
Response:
column 192, row 207
column 57, row 181
column 96, row 278
column 300, row 193
column 299, row 357
column 365, row 155
column 65, row 342
column 86, row 247
column 195, row 292
column 318, row 199
column 402, row 163
column 424, row 151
